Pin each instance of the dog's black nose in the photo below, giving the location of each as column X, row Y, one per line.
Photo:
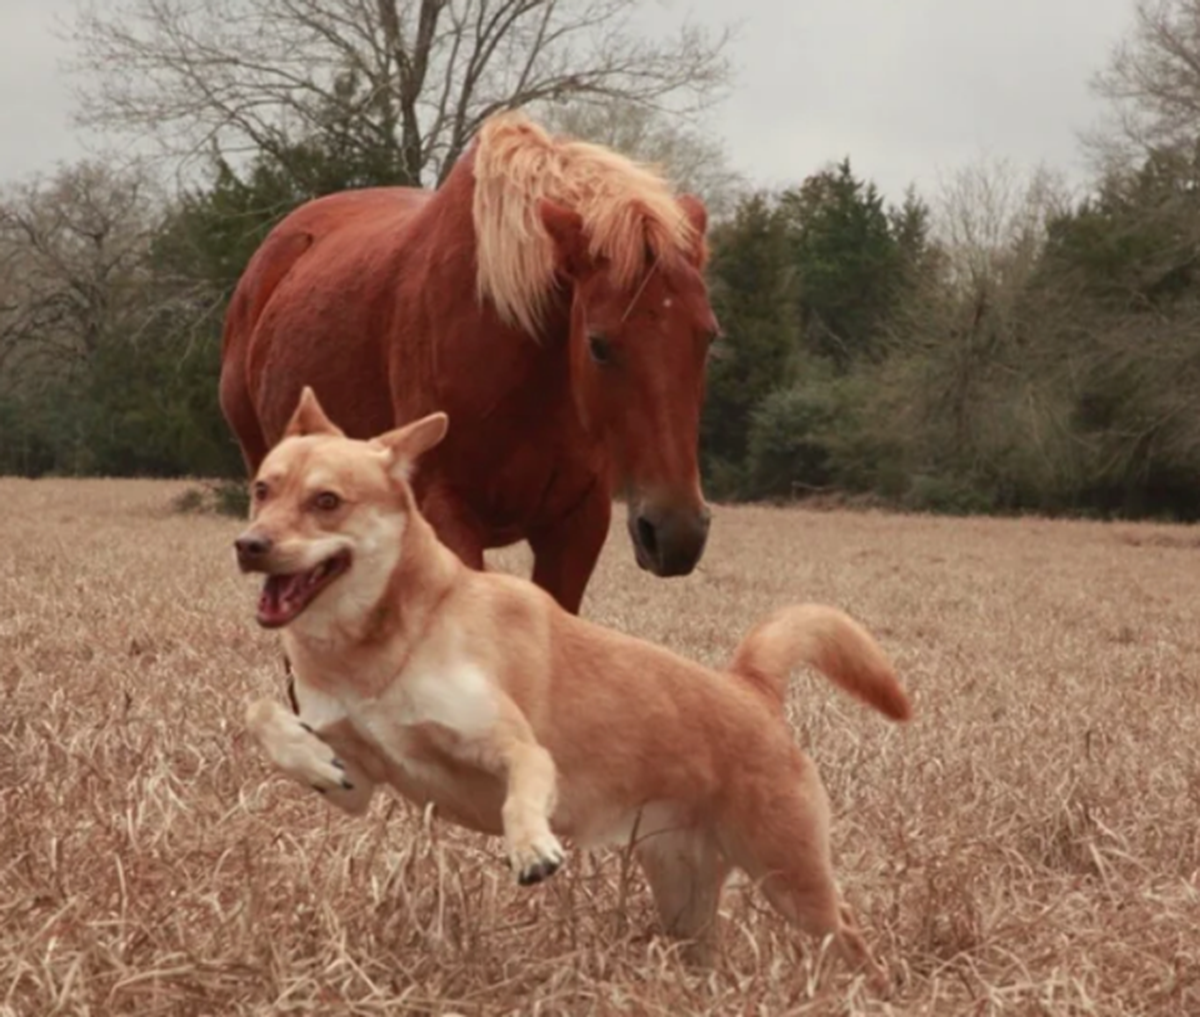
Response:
column 251, row 546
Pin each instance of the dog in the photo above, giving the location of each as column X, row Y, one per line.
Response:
column 475, row 692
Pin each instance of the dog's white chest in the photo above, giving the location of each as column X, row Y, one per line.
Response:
column 428, row 727
column 451, row 698
column 454, row 695
column 450, row 692
column 426, row 730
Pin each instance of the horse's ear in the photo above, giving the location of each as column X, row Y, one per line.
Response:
column 697, row 215
column 565, row 227
column 310, row 418
column 408, row 443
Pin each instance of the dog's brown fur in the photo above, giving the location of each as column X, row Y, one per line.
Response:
column 476, row 692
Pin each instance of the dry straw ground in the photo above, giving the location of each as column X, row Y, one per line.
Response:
column 1031, row 844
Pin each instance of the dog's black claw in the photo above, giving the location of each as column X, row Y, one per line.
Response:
column 307, row 728
column 319, row 790
column 536, row 873
column 346, row 785
column 339, row 764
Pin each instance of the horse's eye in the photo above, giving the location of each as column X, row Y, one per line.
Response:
column 600, row 349
column 327, row 501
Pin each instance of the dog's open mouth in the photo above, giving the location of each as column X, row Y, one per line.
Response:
column 284, row 596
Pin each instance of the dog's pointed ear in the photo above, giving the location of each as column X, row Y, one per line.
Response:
column 407, row 444
column 309, row 418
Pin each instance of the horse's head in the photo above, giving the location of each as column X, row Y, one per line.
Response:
column 637, row 353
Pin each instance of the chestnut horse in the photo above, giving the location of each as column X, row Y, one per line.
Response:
column 548, row 296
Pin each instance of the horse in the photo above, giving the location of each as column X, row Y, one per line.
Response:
column 549, row 295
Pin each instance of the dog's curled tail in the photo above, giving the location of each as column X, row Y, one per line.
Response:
column 833, row 643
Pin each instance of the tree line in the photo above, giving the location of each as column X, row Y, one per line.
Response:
column 1002, row 345
column 1032, row 354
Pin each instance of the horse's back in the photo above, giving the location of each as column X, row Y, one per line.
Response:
column 347, row 217
column 352, row 210
column 300, row 314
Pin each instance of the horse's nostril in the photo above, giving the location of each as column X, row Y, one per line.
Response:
column 647, row 536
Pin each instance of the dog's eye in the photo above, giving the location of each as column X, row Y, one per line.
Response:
column 327, row 501
column 600, row 348
column 260, row 491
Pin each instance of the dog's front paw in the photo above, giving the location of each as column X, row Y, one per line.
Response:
column 536, row 858
column 296, row 749
column 323, row 771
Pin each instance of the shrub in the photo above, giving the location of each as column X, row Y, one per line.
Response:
column 220, row 497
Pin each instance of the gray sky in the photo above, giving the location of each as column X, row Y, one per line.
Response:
column 913, row 88
column 909, row 89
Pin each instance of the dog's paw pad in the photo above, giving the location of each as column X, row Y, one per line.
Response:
column 537, row 860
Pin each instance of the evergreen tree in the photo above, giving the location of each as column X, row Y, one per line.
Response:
column 849, row 265
column 1126, row 261
column 751, row 295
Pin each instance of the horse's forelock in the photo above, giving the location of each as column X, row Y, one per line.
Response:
column 628, row 212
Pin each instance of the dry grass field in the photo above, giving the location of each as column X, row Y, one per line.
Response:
column 1030, row 844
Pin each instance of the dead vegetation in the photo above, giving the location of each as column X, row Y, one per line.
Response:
column 1029, row 845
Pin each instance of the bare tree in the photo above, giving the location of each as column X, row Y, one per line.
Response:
column 73, row 260
column 418, row 76
column 990, row 219
column 1152, row 84
column 981, row 382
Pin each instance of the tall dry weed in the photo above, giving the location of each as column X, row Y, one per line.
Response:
column 1029, row 845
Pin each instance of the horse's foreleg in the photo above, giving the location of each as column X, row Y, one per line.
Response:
column 565, row 554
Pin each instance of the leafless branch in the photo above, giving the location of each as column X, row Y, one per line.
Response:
column 1151, row 83
column 73, row 261
column 257, row 75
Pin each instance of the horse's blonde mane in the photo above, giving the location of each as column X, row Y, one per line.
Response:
column 626, row 209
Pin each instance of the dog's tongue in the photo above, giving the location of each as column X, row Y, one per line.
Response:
column 281, row 598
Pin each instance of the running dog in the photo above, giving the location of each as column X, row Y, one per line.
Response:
column 476, row 692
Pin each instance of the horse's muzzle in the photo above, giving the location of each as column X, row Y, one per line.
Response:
column 668, row 542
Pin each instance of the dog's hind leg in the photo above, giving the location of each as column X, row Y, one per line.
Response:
column 296, row 748
column 686, row 873
column 780, row 838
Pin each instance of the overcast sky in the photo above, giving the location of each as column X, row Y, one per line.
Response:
column 909, row 89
